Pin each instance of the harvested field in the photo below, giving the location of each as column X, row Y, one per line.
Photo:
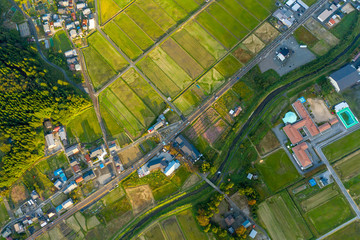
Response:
column 242, row 54
column 320, row 32
column 202, row 123
column 81, row 220
column 73, row 224
column 319, row 110
column 140, row 197
column 214, row 132
column 18, row 193
column 130, row 155
column 266, row 32
column 268, row 143
column 253, row 43
column 154, row 233
column 172, row 229
column 321, row 47
column 191, row 181
column 55, row 234
column 92, row 222
column 318, row 199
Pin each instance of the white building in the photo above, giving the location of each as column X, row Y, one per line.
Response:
column 70, row 53
column 92, row 24
column 80, row 6
column 327, row 13
column 70, row 26
column 50, row 141
column 86, row 11
column 73, row 33
column 68, row 203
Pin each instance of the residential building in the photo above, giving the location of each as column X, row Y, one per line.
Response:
column 253, row 234
column 80, row 6
column 72, row 185
column 59, row 172
column 79, row 179
column 327, row 13
column 74, row 149
column 73, row 33
column 88, row 175
column 62, row 135
column 58, row 184
column 34, row 195
column 70, row 26
column 344, row 78
column 91, row 24
column 229, row 220
column 19, row 228
column 187, row 148
column 86, row 11
column 246, row 224
column 50, row 141
column 284, row 16
column 159, row 162
column 68, row 203
column 70, row 53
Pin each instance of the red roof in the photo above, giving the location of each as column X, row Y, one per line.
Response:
column 301, row 155
column 333, row 121
column 79, row 179
column 76, row 168
column 332, row 21
column 324, row 127
column 87, row 157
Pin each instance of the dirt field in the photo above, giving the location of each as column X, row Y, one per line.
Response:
column 130, row 155
column 319, row 110
column 253, row 43
column 266, row 32
column 202, row 123
column 192, row 180
column 268, row 143
column 241, row 202
column 320, row 32
column 321, row 47
column 242, row 55
column 18, row 193
column 218, row 217
column 140, row 197
column 214, row 132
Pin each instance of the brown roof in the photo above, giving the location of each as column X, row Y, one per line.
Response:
column 324, row 127
column 333, row 121
column 229, row 220
column 87, row 157
column 79, row 179
column 76, row 168
column 301, row 155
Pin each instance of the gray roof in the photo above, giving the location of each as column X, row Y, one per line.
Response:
column 187, row 148
column 157, row 163
column 346, row 76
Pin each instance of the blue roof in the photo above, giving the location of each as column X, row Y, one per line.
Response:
column 246, row 224
column 302, row 100
column 58, row 208
column 312, row 182
column 290, row 117
column 63, row 177
column 58, row 172
column 101, row 165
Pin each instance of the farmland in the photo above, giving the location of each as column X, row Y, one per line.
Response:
column 352, row 231
column 189, row 226
column 61, row 42
column 4, row 217
column 349, row 166
column 154, row 233
column 172, row 229
column 303, row 36
column 277, row 170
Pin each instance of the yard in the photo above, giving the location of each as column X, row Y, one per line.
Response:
column 342, row 147
column 277, row 170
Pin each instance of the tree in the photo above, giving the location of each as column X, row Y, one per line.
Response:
column 205, row 167
column 252, row 202
column 240, row 231
column 203, row 220
column 222, row 233
column 215, row 229
column 207, row 228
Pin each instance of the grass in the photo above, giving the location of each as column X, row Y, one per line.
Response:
column 194, row 48
column 182, row 58
column 330, row 214
column 99, row 70
column 59, row 199
column 49, row 165
column 255, row 8
column 172, row 229
column 113, row 196
column 228, row 66
column 144, row 22
column 211, row 81
column 345, row 25
column 309, row 2
column 111, row 55
column 239, row 12
column 148, row 95
column 303, row 36
column 205, row 39
column 216, row 29
column 135, row 33
column 108, row 8
column 277, row 170
column 269, row 4
column 170, row 68
column 172, row 8
column 122, row 3
column 158, row 77
column 62, row 42
column 282, row 219
column 318, row 198
column 122, row 40
column 84, row 126
column 4, row 216
column 73, row 224
column 189, row 226
column 187, row 102
column 116, row 208
column 349, row 166
column 164, row 191
column 341, row 147
column 36, row 180
column 351, row 231
column 154, row 233
column 112, row 126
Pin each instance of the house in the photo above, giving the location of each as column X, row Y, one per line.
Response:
column 283, row 54
column 62, row 11
column 80, row 6
column 68, row 203
column 34, row 195
column 70, row 26
column 19, row 228
column 284, row 16
column 187, row 148
column 58, row 24
column 87, row 158
column 46, row 17
column 98, row 152
column 79, row 179
column 62, row 135
column 64, row 3
column 159, row 162
column 88, row 175
column 327, row 13
column 73, row 33
column 72, row 185
column 76, row 168
column 50, row 141
column 113, row 147
column 246, row 224
column 74, row 149
column 344, row 78
column 6, row 233
column 252, row 234
column 91, row 24
column 229, row 220
column 59, row 172
column 73, row 16
column 86, row 11
column 173, row 165
column 72, row 60
column 58, row 184
column 302, row 156
column 46, row 27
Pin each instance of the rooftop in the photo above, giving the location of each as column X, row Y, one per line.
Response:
column 301, row 155
column 346, row 76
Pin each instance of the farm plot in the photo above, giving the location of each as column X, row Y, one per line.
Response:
column 49, row 165
column 18, row 193
column 189, row 226
column 255, row 8
column 349, row 166
column 144, row 91
column 341, row 147
column 320, row 32
column 188, row 5
column 194, row 48
column 172, row 229
column 211, row 81
column 214, row 132
column 189, row 100
column 158, row 77
column 182, row 58
column 36, row 180
column 228, row 66
column 351, row 231
column 4, row 216
column 108, row 8
column 140, row 197
column 154, row 233
column 122, row 40
column 61, row 41
column 303, row 36
column 282, row 219
column 84, row 127
column 130, row 155
column 268, row 4
column 132, row 102
column 266, row 32
column 318, row 199
column 225, row 103
column 253, row 43
column 226, row 38
column 202, row 123
column 205, row 39
column 277, row 170
column 135, row 33
column 268, row 143
column 173, row 9
column 242, row 54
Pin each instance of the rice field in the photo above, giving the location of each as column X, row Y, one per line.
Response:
column 187, row 101
column 228, row 66
column 107, row 8
column 255, row 8
column 211, row 81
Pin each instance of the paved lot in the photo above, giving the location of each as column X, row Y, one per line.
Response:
column 300, row 57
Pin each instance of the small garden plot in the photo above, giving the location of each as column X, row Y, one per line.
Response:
column 140, row 197
column 113, row 196
column 144, row 91
column 182, row 58
column 318, row 199
column 266, row 32
column 81, row 220
column 205, row 39
column 174, row 10
column 158, row 77
column 122, row 40
column 4, row 216
column 135, row 33
column 351, row 231
column 119, row 208
column 253, row 43
column 211, row 81
column 49, row 165
column 84, row 126
column 242, row 54
column 268, row 143
column 188, row 5
column 170, row 68
column 73, row 224
column 277, row 170
column 349, row 166
column 216, row 29
column 321, row 47
column 107, row 8
column 154, row 233
column 282, row 219
column 130, row 155
column 194, row 48
column 99, row 70
column 228, row 66
column 202, row 123
column 56, row 234
column 59, row 199
column 239, row 12
column 303, row 36
column 113, row 57
column 225, row 19
column 18, row 193
column 187, row 101
column 214, row 132
column 132, row 102
column 36, row 180
column 156, row 13
column 172, row 229
column 144, row 22
column 180, row 176
column 61, row 42
column 255, row 8
column 330, row 214
column 189, row 226
column 225, row 103
column 343, row 146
